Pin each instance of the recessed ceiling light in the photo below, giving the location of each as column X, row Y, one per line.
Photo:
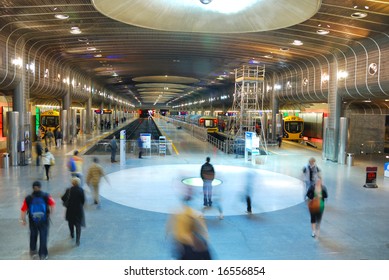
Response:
column 91, row 48
column 75, row 30
column 98, row 55
column 297, row 43
column 83, row 39
column 61, row 16
column 322, row 31
column 284, row 49
column 358, row 15
column 268, row 56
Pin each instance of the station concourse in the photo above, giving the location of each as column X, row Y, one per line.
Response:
column 144, row 193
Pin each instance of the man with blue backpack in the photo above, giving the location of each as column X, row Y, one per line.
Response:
column 38, row 206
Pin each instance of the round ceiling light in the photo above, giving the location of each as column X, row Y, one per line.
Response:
column 297, row 43
column 359, row 15
column 373, row 68
column 61, row 16
column 322, row 31
column 216, row 16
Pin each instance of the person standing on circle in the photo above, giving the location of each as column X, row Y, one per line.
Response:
column 207, row 174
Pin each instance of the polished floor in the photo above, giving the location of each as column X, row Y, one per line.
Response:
column 142, row 195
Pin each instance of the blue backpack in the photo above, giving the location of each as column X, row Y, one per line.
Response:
column 38, row 209
column 72, row 165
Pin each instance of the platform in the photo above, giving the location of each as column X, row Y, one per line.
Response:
column 142, row 195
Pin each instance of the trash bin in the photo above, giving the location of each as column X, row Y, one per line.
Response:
column 350, row 159
column 5, row 160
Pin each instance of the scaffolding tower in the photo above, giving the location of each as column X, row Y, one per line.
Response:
column 248, row 97
column 248, row 101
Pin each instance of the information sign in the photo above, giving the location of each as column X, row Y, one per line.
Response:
column 371, row 177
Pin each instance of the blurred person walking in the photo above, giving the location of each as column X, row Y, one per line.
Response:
column 190, row 234
column 248, row 190
column 74, row 199
column 58, row 138
column 49, row 138
column 93, row 178
column 38, row 205
column 140, row 146
column 75, row 166
column 317, row 194
column 48, row 160
column 38, row 150
column 310, row 173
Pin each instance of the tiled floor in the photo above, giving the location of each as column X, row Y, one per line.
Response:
column 142, row 195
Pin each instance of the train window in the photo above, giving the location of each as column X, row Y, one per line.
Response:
column 293, row 127
column 209, row 123
column 50, row 121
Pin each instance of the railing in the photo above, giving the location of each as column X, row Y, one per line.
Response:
column 103, row 147
column 221, row 145
column 196, row 131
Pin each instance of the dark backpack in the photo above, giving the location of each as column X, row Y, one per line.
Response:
column 37, row 209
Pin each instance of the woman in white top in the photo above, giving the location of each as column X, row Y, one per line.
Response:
column 47, row 160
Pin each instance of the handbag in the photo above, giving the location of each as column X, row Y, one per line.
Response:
column 52, row 161
column 65, row 198
column 314, row 205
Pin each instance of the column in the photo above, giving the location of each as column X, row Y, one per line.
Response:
column 88, row 116
column 65, row 121
column 330, row 143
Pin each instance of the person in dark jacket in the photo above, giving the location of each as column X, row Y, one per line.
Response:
column 74, row 199
column 207, row 173
column 114, row 146
column 39, row 151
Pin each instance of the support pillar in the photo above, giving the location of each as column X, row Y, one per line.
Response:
column 65, row 121
column 330, row 142
column 88, row 116
column 13, row 118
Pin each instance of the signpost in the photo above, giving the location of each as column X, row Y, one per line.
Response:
column 251, row 146
column 146, row 142
column 371, row 177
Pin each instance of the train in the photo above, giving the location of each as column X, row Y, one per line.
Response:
column 293, row 128
column 49, row 120
column 208, row 122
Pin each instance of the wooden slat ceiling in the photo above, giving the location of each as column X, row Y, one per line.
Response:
column 132, row 52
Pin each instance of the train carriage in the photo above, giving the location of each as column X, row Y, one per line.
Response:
column 293, row 127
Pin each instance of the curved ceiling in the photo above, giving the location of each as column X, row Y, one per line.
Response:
column 124, row 56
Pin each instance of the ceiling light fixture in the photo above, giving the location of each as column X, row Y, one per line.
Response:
column 297, row 43
column 322, row 31
column 61, row 16
column 205, row 2
column 75, row 30
column 359, row 15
